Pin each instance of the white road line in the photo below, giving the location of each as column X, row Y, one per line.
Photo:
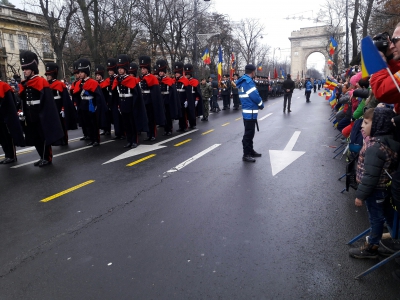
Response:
column 60, row 154
column 265, row 117
column 292, row 141
column 175, row 137
column 192, row 159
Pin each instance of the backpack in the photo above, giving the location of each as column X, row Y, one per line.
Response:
column 356, row 138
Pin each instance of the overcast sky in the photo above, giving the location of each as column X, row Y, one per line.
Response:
column 272, row 14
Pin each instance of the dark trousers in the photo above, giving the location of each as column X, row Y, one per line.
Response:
column 247, row 141
column 151, row 121
column 375, row 208
column 287, row 98
column 117, row 118
column 308, row 93
column 64, row 128
column 130, row 128
column 6, row 142
column 91, row 125
column 214, row 102
column 226, row 100
column 34, row 135
column 82, row 122
column 236, row 100
column 168, row 119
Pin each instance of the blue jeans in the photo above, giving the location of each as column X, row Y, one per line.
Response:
column 374, row 204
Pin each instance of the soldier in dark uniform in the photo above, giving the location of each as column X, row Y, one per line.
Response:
column 214, row 97
column 112, row 100
column 194, row 99
column 92, row 103
column 76, row 99
column 170, row 96
column 64, row 105
column 133, row 68
column 267, row 88
column 42, row 122
column 226, row 92
column 99, row 71
column 184, row 90
column 235, row 92
column 130, row 102
column 11, row 134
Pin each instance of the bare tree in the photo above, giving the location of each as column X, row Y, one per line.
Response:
column 248, row 31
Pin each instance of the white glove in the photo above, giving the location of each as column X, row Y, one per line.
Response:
column 62, row 114
column 195, row 104
column 185, row 104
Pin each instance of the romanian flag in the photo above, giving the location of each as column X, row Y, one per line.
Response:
column 330, row 62
column 283, row 73
column 233, row 65
column 332, row 46
column 206, row 57
column 371, row 60
column 259, row 66
column 219, row 63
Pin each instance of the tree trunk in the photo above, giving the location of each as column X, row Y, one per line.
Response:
column 367, row 16
column 353, row 28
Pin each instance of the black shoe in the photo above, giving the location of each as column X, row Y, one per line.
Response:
column 150, row 138
column 284, row 110
column 289, row 111
column 192, row 127
column 36, row 164
column 391, row 245
column 235, row 108
column 128, row 145
column 248, row 158
column 122, row 138
column 102, row 133
column 203, row 119
column 180, row 130
column 366, row 251
column 167, row 133
column 255, row 154
column 44, row 163
column 8, row 160
column 116, row 138
column 84, row 138
column 90, row 144
column 224, row 108
column 107, row 133
column 134, row 145
column 95, row 144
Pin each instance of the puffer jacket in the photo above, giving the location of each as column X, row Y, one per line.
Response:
column 250, row 98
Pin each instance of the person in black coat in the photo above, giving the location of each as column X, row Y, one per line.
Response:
column 288, row 87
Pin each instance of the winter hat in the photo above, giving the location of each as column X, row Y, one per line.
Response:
column 355, row 79
column 381, row 121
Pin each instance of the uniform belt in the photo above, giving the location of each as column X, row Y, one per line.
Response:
column 193, row 92
column 110, row 93
column 181, row 90
column 87, row 97
column 125, row 95
column 33, row 102
column 57, row 97
column 164, row 93
column 145, row 92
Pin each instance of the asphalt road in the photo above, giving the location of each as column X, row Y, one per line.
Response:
column 192, row 221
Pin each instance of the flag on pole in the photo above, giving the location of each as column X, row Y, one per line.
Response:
column 269, row 75
column 233, row 65
column 259, row 66
column 302, row 75
column 332, row 46
column 371, row 60
column 219, row 63
column 206, row 57
column 330, row 62
column 282, row 73
column 275, row 73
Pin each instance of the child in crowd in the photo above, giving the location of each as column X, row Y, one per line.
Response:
column 378, row 155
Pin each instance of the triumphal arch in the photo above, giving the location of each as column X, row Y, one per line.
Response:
column 307, row 41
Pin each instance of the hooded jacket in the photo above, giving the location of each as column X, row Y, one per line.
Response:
column 378, row 154
column 250, row 98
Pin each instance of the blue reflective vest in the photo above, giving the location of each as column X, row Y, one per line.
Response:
column 309, row 86
column 249, row 97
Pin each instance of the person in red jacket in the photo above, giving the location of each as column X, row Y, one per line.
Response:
column 195, row 101
column 63, row 102
column 99, row 76
column 184, row 92
column 42, row 124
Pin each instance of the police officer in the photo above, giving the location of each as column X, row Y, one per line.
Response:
column 151, row 94
column 251, row 103
column 11, row 134
column 170, row 96
column 64, row 105
column 42, row 122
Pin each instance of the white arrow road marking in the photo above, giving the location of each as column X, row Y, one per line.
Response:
column 280, row 159
column 147, row 148
column 192, row 159
column 265, row 117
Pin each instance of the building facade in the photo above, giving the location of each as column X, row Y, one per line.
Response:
column 21, row 30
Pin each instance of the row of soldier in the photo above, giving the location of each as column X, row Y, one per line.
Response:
column 132, row 104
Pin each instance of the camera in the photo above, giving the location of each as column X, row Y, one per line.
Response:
column 381, row 41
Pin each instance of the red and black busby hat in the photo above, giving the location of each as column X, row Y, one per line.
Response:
column 123, row 62
column 112, row 64
column 155, row 70
column 75, row 67
column 51, row 69
column 99, row 69
column 188, row 69
column 162, row 66
column 84, row 65
column 29, row 61
column 178, row 67
column 145, row 62
column 133, row 67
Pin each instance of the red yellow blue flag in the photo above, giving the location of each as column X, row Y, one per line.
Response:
column 332, row 46
column 219, row 63
column 259, row 66
column 206, row 57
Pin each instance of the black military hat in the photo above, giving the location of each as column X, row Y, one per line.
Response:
column 235, row 74
column 226, row 75
column 188, row 69
column 145, row 62
column 51, row 69
column 84, row 65
column 112, row 64
column 162, row 65
column 75, row 67
column 123, row 61
column 250, row 67
column 133, row 67
column 99, row 69
column 155, row 69
column 29, row 61
column 178, row 67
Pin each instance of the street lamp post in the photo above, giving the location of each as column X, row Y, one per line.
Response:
column 196, row 57
column 347, row 34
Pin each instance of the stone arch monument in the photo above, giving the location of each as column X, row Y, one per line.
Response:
column 306, row 41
